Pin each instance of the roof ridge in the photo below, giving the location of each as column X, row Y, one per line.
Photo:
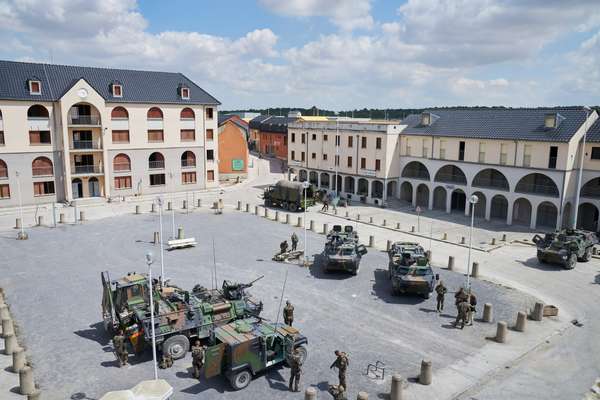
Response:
column 93, row 67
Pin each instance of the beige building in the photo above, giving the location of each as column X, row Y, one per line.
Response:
column 523, row 164
column 76, row 132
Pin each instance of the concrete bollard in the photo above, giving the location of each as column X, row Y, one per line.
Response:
column 169, row 206
column 299, row 224
column 493, row 241
column 266, row 215
column 7, row 327
column 81, row 216
column 362, row 396
column 370, row 220
column 475, row 270
column 180, row 234
column 488, row 312
column 521, row 322
column 18, row 224
column 310, row 394
column 426, row 373
column 358, row 217
column 199, row 203
column 255, row 210
column 239, row 206
column 445, row 236
column 371, row 241
column 312, row 225
column 18, row 357
column 40, row 221
column 247, row 207
column 276, row 216
column 450, row 263
column 26, row 385
column 398, row 225
column 10, row 344
column 396, row 389
column 388, row 245
column 325, row 229
column 137, row 210
column 347, row 214
column 61, row 218
column 4, row 312
column 538, row 312
column 412, row 228
column 462, row 240
column 501, row 332
column 156, row 239
column 153, row 208
column 184, row 205
column 384, row 223
column 35, row 395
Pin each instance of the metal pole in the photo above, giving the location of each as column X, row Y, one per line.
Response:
column 54, row 214
column 149, row 261
column 337, row 155
column 470, row 242
column 582, row 157
column 20, row 205
column 305, row 244
column 172, row 208
column 160, row 243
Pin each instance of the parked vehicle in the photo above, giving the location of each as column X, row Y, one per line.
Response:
column 410, row 270
column 289, row 196
column 342, row 250
column 565, row 247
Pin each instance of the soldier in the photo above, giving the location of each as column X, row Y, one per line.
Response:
column 283, row 247
column 288, row 313
column 441, row 290
column 120, row 348
column 463, row 309
column 472, row 308
column 197, row 358
column 325, row 205
column 460, row 296
column 296, row 371
column 294, row 241
column 166, row 361
column 341, row 363
column 337, row 392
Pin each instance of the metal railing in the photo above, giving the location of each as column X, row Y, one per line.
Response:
column 42, row 171
column 450, row 178
column 85, row 144
column 156, row 164
column 86, row 169
column 592, row 192
column 84, row 120
column 498, row 184
column 188, row 163
column 122, row 167
column 415, row 174
column 533, row 188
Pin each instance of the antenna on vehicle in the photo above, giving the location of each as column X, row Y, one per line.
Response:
column 281, row 299
column 214, row 264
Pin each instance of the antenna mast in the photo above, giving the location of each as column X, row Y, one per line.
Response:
column 281, row 299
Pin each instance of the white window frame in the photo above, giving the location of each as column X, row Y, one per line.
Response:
column 188, row 93
column 31, row 89
column 120, row 88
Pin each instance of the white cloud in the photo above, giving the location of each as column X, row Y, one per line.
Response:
column 346, row 14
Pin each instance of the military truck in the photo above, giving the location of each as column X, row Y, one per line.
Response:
column 409, row 269
column 243, row 348
column 179, row 315
column 289, row 196
column 565, row 247
column 342, row 250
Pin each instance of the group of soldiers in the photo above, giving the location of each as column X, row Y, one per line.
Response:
column 284, row 246
column 465, row 302
column 341, row 362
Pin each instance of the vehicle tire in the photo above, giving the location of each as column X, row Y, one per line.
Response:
column 268, row 202
column 571, row 261
column 285, row 205
column 176, row 346
column 240, row 379
column 293, row 207
column 587, row 255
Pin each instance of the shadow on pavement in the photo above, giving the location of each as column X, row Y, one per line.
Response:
column 534, row 263
column 80, row 396
column 382, row 288
column 317, row 269
column 276, row 380
column 96, row 333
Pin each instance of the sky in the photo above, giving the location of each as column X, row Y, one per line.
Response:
column 333, row 54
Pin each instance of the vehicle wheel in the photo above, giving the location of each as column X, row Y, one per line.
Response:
column 571, row 261
column 241, row 379
column 285, row 205
column 587, row 255
column 176, row 346
column 293, row 207
column 268, row 203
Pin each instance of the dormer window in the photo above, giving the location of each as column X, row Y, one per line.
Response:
column 35, row 87
column 428, row 118
column 552, row 120
column 185, row 93
column 117, row 90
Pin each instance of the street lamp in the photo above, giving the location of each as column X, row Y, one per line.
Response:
column 472, row 201
column 22, row 235
column 172, row 207
column 305, row 186
column 582, row 158
column 160, row 242
column 149, row 261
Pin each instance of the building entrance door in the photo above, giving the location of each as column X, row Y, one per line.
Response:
column 94, row 187
column 77, row 187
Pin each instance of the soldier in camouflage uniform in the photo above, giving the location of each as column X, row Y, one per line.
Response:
column 197, row 358
column 120, row 348
column 288, row 313
column 472, row 308
column 294, row 241
column 460, row 296
column 463, row 310
column 283, row 247
column 295, row 371
column 166, row 361
column 337, row 392
column 441, row 290
column 341, row 363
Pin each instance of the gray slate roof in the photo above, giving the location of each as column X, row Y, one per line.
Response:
column 498, row 123
column 271, row 123
column 138, row 86
column 594, row 132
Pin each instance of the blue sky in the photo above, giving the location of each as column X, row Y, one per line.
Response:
column 336, row 54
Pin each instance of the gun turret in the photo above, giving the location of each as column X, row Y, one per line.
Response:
column 235, row 291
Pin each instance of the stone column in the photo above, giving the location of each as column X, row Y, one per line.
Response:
column 501, row 332
column 371, row 241
column 10, row 344
column 521, row 322
column 18, row 357
column 430, row 204
column 310, row 394
column 26, row 385
column 475, row 270
column 488, row 208
column 180, row 234
column 467, row 206
column 449, row 201
column 509, row 212
column 488, row 313
column 538, row 312
column 426, row 373
column 414, row 196
column 450, row 263
column 396, row 389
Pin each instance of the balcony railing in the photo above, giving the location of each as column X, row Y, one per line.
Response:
column 188, row 163
column 416, row 174
column 42, row 171
column 449, row 178
column 532, row 188
column 86, row 169
column 497, row 184
column 156, row 164
column 84, row 120
column 85, row 145
column 122, row 167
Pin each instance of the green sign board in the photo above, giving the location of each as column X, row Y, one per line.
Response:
column 237, row 165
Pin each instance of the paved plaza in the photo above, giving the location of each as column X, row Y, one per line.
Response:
column 53, row 283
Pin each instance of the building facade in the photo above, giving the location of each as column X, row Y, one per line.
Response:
column 78, row 132
column 269, row 134
column 233, row 148
column 523, row 164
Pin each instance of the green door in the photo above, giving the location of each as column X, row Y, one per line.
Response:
column 213, row 363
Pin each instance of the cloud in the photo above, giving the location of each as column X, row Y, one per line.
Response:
column 346, row 14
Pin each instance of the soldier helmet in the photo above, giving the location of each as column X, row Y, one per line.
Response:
column 197, row 341
column 337, row 352
column 287, row 302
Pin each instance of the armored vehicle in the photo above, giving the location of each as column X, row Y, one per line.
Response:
column 409, row 269
column 289, row 196
column 246, row 347
column 179, row 315
column 342, row 250
column 565, row 247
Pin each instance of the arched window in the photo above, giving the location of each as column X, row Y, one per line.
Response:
column 119, row 113
column 451, row 174
column 187, row 113
column 121, row 162
column 156, row 161
column 42, row 166
column 155, row 113
column 3, row 170
column 188, row 159
column 38, row 112
column 537, row 183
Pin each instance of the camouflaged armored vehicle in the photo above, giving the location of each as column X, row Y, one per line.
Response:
column 289, row 196
column 246, row 347
column 409, row 269
column 342, row 250
column 180, row 315
column 565, row 247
